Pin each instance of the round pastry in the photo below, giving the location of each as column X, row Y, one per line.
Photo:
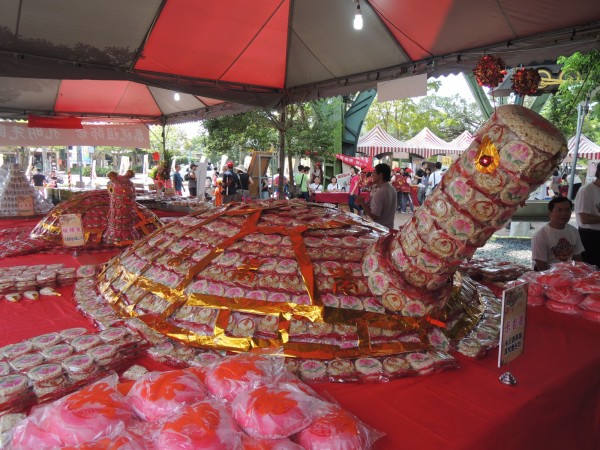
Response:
column 207, row 426
column 86, row 271
column 57, row 352
column 79, row 367
column 12, row 386
column 157, row 394
column 113, row 334
column 368, row 368
column 103, row 354
column 421, row 362
column 231, row 376
column 46, row 340
column 72, row 333
column 13, row 350
column 45, row 372
column 85, row 342
column 4, row 368
column 337, row 430
column 313, row 370
column 26, row 361
column 395, row 365
column 340, row 369
column 272, row 412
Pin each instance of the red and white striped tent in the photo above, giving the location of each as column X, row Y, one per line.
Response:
column 587, row 149
column 463, row 140
column 378, row 141
column 426, row 144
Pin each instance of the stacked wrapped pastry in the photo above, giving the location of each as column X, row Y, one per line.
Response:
column 324, row 285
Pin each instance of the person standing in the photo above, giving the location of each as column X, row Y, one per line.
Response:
column 231, row 184
column 420, row 182
column 557, row 241
column 397, row 182
column 192, row 181
column 299, row 179
column 406, row 190
column 382, row 206
column 436, row 176
column 178, row 181
column 39, row 181
column 354, row 191
column 317, row 172
column 245, row 182
column 587, row 211
column 555, row 183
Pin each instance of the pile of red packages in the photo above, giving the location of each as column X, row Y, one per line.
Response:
column 569, row 288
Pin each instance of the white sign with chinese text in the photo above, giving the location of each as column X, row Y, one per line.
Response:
column 512, row 330
column 343, row 180
column 71, row 229
column 19, row 134
column 25, row 205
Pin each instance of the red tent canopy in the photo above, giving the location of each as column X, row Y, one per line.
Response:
column 377, row 141
column 258, row 53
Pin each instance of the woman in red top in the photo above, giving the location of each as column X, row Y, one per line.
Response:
column 354, row 191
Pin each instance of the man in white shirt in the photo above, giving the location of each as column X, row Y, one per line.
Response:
column 587, row 210
column 382, row 206
column 557, row 241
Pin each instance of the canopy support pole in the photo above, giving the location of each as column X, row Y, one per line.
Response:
column 281, row 128
column 582, row 110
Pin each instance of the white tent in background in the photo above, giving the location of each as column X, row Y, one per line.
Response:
column 426, row 144
column 463, row 140
column 378, row 141
column 587, row 148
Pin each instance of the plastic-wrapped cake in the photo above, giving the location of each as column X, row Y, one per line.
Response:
column 323, row 284
column 16, row 189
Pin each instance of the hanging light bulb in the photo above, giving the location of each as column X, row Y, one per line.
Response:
column 358, row 19
column 176, row 96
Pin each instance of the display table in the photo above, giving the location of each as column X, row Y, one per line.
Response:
column 555, row 405
column 337, row 198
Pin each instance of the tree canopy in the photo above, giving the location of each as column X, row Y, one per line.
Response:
column 582, row 74
column 447, row 117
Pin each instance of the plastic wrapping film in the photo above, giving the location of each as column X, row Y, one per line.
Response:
column 176, row 409
column 567, row 287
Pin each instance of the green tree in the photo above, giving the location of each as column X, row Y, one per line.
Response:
column 445, row 116
column 582, row 74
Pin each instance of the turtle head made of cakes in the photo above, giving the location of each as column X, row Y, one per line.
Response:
column 322, row 283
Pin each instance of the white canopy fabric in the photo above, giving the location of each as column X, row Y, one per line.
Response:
column 426, row 144
column 378, row 141
column 587, row 148
column 462, row 141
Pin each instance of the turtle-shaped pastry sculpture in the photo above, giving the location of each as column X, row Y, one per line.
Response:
column 110, row 218
column 323, row 284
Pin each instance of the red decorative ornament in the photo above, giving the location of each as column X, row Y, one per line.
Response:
column 525, row 81
column 155, row 156
column 489, row 71
column 485, row 160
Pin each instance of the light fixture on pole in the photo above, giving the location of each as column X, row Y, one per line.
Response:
column 176, row 96
column 358, row 18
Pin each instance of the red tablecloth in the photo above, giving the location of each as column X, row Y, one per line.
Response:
column 337, row 198
column 555, row 405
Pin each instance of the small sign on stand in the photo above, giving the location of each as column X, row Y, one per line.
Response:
column 25, row 205
column 71, row 229
column 512, row 328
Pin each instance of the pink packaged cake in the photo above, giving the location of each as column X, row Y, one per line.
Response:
column 227, row 378
column 158, row 394
column 205, row 425
column 87, row 414
column 275, row 411
column 337, row 430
